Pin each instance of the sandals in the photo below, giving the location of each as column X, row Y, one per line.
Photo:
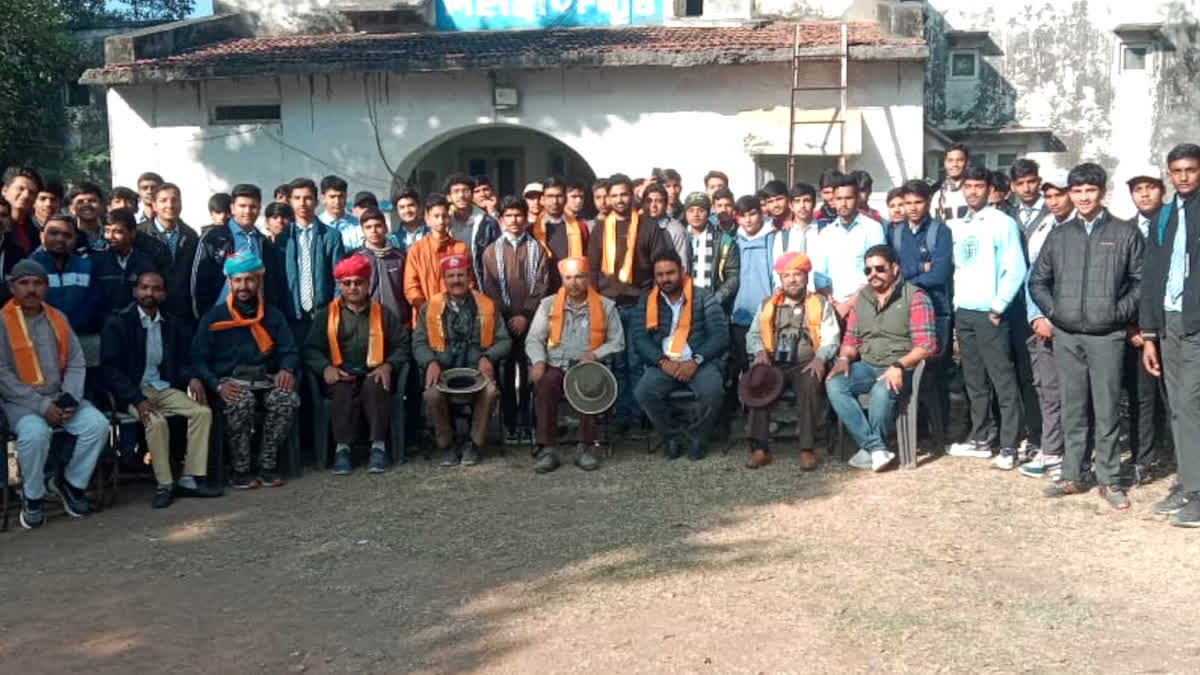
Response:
column 1115, row 496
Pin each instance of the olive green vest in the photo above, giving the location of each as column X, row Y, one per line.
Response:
column 884, row 332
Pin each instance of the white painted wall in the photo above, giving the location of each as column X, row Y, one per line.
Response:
column 629, row 120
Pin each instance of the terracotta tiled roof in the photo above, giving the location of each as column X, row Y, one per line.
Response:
column 440, row 51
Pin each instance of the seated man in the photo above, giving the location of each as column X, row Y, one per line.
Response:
column 239, row 343
column 889, row 330
column 144, row 354
column 460, row 328
column 575, row 324
column 680, row 332
column 41, row 387
column 356, row 345
column 796, row 332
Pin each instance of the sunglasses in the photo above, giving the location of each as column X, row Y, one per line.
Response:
column 878, row 269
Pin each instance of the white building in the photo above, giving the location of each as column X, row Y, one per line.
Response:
column 218, row 101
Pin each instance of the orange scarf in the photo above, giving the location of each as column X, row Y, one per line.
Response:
column 374, row 334
column 261, row 337
column 29, row 369
column 597, row 329
column 812, row 317
column 433, row 321
column 574, row 236
column 683, row 328
column 609, row 258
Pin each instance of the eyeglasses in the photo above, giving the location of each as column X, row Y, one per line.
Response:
column 878, row 269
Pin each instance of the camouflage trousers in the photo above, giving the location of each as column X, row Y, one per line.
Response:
column 280, row 409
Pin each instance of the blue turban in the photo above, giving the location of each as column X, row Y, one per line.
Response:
column 243, row 262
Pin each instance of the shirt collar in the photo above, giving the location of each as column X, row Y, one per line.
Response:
column 146, row 318
column 237, row 231
column 172, row 232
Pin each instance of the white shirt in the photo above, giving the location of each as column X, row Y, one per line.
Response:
column 676, row 308
column 154, row 351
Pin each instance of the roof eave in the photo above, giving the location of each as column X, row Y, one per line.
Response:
column 159, row 74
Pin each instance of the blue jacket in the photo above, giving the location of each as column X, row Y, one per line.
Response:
column 756, row 282
column 216, row 354
column 326, row 252
column 72, row 291
column 915, row 249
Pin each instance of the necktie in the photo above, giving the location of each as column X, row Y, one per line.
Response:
column 306, row 282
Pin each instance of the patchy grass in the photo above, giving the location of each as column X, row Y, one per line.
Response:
column 644, row 566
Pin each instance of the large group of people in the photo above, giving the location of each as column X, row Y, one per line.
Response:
column 1047, row 307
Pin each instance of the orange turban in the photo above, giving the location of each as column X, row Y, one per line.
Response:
column 793, row 261
column 576, row 265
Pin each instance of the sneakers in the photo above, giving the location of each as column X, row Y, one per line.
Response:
column 33, row 513
column 164, row 496
column 269, row 478
column 341, row 463
column 449, row 457
column 470, row 455
column 976, row 449
column 243, row 480
column 1026, row 451
column 1041, row 465
column 512, row 437
column 1115, row 496
column 1175, row 500
column 74, row 502
column 880, row 459
column 1189, row 514
column 525, row 435
column 860, row 460
column 1006, row 459
column 378, row 463
column 1063, row 488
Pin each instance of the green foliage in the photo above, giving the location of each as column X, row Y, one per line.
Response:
column 37, row 56
column 92, row 12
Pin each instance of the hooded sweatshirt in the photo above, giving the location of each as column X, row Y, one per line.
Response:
column 756, row 278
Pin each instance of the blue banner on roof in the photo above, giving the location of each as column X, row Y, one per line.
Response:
column 509, row 14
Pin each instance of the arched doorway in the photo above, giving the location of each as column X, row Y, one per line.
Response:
column 510, row 156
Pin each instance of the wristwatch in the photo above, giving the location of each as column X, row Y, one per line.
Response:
column 698, row 359
column 897, row 364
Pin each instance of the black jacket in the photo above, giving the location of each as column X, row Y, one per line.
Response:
column 123, row 355
column 709, row 336
column 115, row 283
column 10, row 254
column 1158, row 264
column 1090, row 284
column 177, row 271
column 208, row 269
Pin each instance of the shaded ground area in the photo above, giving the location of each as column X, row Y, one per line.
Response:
column 643, row 566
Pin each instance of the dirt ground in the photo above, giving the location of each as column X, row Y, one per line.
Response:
column 644, row 566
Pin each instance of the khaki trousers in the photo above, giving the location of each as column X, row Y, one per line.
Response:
column 199, row 424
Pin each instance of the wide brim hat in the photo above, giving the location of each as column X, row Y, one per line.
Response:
column 760, row 385
column 461, row 381
column 590, row 388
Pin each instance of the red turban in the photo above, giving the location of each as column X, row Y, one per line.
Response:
column 454, row 261
column 793, row 261
column 353, row 266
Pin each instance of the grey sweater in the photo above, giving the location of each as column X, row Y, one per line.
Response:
column 18, row 399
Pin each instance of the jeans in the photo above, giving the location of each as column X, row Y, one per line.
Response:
column 843, row 391
column 87, row 425
column 627, row 370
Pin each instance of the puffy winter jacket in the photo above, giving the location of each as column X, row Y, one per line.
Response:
column 1090, row 284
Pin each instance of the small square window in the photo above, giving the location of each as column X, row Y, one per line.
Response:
column 1135, row 57
column 964, row 64
column 1004, row 160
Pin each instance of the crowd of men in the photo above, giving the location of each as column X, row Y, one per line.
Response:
column 1054, row 307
